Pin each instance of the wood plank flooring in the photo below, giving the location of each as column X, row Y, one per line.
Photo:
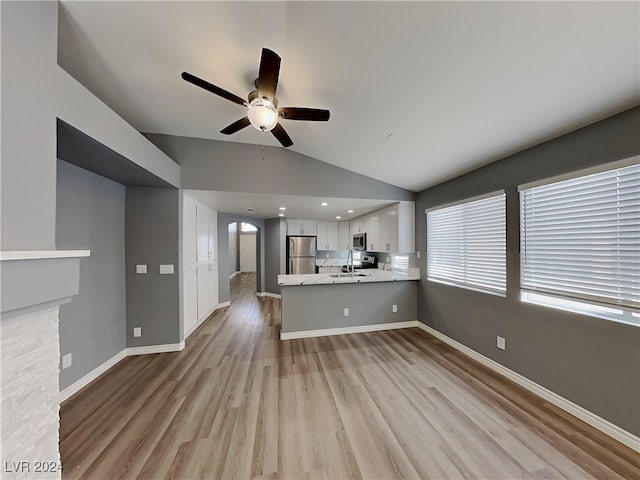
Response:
column 239, row 403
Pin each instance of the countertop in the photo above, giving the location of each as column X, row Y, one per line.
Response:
column 369, row 276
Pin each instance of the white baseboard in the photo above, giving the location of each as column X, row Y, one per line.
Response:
column 222, row 305
column 234, row 274
column 606, row 427
column 268, row 294
column 167, row 347
column 345, row 330
column 91, row 376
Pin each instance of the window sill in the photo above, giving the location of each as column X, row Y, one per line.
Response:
column 600, row 311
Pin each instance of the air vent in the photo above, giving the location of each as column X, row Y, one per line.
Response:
column 250, row 209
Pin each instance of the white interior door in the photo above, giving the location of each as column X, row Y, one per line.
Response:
column 247, row 252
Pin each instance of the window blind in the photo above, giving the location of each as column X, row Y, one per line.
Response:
column 466, row 244
column 580, row 238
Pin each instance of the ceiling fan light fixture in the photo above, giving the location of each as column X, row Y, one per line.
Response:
column 262, row 114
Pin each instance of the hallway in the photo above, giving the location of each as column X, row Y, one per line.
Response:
column 239, row 403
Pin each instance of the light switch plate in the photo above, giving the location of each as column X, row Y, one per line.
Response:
column 66, row 361
column 166, row 269
column 140, row 269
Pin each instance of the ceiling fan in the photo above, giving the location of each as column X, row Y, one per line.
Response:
column 262, row 105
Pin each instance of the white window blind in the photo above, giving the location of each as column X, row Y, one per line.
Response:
column 580, row 238
column 466, row 244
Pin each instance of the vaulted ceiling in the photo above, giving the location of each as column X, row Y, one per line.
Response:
column 419, row 92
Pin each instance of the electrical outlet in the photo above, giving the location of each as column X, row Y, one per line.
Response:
column 501, row 343
column 137, row 331
column 346, row 311
column 394, row 308
column 67, row 360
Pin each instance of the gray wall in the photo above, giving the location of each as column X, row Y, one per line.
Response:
column 316, row 307
column 90, row 216
column 234, row 248
column 214, row 165
column 272, row 239
column 224, row 269
column 592, row 362
column 28, row 168
column 151, row 238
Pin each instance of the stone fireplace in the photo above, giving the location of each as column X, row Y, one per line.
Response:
column 33, row 286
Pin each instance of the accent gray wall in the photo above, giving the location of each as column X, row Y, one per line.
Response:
column 224, row 269
column 29, row 34
column 90, row 216
column 272, row 239
column 224, row 166
column 151, row 238
column 234, row 248
column 316, row 307
column 590, row 361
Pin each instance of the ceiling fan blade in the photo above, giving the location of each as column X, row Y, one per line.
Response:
column 282, row 136
column 213, row 89
column 299, row 113
column 268, row 76
column 236, row 126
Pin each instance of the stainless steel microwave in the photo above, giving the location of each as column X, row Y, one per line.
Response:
column 360, row 241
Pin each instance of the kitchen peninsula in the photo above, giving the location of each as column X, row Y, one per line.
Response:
column 329, row 304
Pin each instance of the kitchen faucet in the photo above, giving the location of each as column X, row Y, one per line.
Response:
column 350, row 256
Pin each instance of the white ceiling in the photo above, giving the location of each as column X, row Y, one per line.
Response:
column 459, row 84
column 297, row 206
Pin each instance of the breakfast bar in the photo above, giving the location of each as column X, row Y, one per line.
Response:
column 329, row 304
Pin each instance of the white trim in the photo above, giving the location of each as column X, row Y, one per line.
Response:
column 325, row 332
column 268, row 294
column 627, row 162
column 91, row 376
column 167, row 347
column 42, row 254
column 192, row 328
column 234, row 274
column 583, row 414
column 222, row 305
column 496, row 193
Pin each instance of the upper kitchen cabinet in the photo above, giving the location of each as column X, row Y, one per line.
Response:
column 390, row 229
column 345, row 239
column 302, row 227
column 327, row 235
column 372, row 228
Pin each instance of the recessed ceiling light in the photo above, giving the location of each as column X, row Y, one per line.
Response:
column 338, row 217
column 281, row 214
column 282, row 208
column 349, row 211
column 324, row 204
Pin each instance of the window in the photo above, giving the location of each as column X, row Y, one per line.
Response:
column 466, row 243
column 247, row 228
column 580, row 242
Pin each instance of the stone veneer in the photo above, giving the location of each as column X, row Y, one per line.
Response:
column 33, row 285
column 30, row 419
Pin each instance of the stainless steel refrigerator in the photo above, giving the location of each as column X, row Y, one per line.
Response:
column 301, row 255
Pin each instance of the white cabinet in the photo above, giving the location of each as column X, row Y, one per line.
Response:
column 345, row 238
column 357, row 225
column 327, row 235
column 372, row 229
column 390, row 229
column 302, row 227
column 199, row 262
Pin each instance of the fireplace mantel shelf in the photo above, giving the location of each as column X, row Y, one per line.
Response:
column 42, row 254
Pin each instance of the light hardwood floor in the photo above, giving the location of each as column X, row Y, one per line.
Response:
column 239, row 403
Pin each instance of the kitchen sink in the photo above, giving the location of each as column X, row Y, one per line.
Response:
column 339, row 275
